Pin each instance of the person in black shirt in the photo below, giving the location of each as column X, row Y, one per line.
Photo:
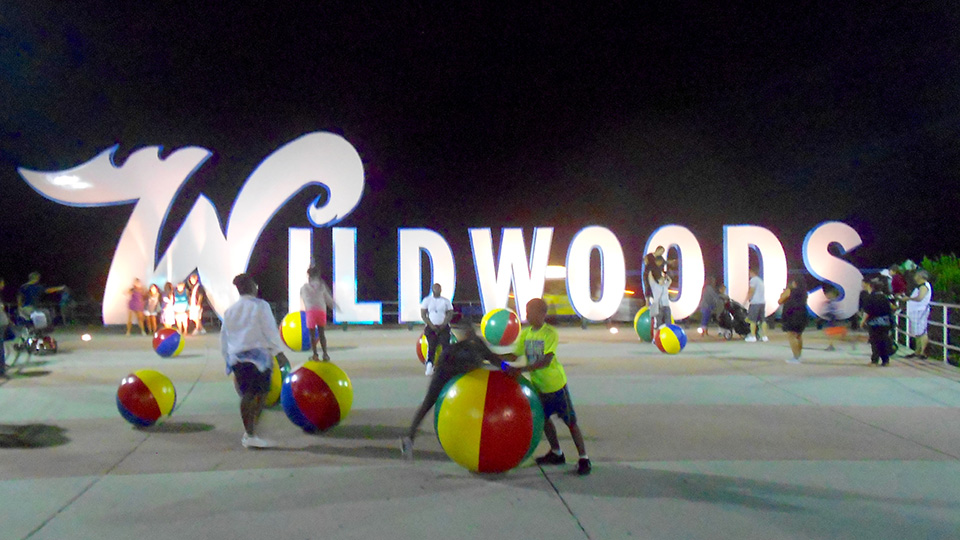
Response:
column 794, row 317
column 878, row 318
column 464, row 356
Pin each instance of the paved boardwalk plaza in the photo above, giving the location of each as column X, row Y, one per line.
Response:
column 724, row 440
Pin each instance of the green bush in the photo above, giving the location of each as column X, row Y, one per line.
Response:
column 945, row 275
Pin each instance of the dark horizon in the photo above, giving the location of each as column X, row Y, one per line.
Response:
column 626, row 117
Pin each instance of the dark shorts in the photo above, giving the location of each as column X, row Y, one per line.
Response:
column 559, row 403
column 250, row 380
column 756, row 313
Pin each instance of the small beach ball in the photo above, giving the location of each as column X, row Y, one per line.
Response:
column 294, row 331
column 500, row 327
column 145, row 396
column 317, row 396
column 671, row 339
column 167, row 342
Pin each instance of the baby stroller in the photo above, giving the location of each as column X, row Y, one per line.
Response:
column 733, row 318
column 32, row 335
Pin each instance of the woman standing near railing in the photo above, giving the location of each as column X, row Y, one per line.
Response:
column 918, row 311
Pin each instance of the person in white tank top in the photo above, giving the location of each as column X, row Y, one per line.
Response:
column 918, row 311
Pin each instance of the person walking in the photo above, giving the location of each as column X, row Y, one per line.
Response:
column 794, row 318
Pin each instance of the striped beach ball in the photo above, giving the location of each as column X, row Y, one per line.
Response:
column 317, row 396
column 671, row 339
column 423, row 348
column 500, row 326
column 145, row 396
column 294, row 331
column 488, row 422
column 641, row 324
column 168, row 342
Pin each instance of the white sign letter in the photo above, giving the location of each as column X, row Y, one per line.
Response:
column 613, row 273
column 442, row 269
column 738, row 240
column 345, row 282
column 527, row 278
column 690, row 267
column 834, row 270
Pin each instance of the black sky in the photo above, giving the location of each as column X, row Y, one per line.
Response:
column 695, row 113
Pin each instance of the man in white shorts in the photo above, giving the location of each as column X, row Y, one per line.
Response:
column 756, row 312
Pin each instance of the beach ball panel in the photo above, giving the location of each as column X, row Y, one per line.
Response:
column 338, row 383
column 316, row 400
column 460, row 420
column 536, row 410
column 506, row 425
column 161, row 388
column 135, row 399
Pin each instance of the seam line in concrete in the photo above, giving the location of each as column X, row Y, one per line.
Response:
column 564, row 501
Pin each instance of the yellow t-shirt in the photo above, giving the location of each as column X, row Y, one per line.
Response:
column 535, row 344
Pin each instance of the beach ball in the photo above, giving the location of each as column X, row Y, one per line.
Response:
column 294, row 331
column 317, row 396
column 487, row 421
column 500, row 327
column 641, row 323
column 423, row 348
column 145, row 396
column 277, row 375
column 670, row 339
column 168, row 342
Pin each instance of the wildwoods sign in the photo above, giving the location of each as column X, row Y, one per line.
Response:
column 151, row 185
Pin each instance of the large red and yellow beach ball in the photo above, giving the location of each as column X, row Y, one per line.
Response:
column 145, row 396
column 317, row 396
column 294, row 331
column 423, row 348
column 643, row 326
column 488, row 422
column 500, row 327
column 670, row 339
column 167, row 342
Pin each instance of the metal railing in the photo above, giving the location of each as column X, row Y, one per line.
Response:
column 939, row 329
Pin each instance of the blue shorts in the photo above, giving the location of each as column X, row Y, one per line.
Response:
column 559, row 403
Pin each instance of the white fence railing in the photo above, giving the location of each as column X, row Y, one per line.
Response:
column 940, row 317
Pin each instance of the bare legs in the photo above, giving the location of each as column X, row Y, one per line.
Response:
column 139, row 315
column 319, row 337
column 550, row 431
column 796, row 343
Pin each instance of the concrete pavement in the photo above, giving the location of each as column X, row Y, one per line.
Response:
column 722, row 440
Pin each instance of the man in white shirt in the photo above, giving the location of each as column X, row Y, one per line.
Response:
column 437, row 312
column 756, row 312
column 249, row 339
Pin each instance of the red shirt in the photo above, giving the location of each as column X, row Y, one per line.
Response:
column 898, row 284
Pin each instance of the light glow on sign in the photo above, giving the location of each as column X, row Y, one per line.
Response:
column 413, row 242
column 825, row 267
column 691, row 268
column 613, row 273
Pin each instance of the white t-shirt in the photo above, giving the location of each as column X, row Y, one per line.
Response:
column 758, row 297
column 247, row 325
column 315, row 296
column 437, row 308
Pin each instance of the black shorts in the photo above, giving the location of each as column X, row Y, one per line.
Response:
column 559, row 403
column 250, row 380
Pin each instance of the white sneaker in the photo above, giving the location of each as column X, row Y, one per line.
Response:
column 750, row 339
column 764, row 338
column 429, row 371
column 252, row 441
column 793, row 360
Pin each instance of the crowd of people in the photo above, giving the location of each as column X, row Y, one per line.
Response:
column 179, row 306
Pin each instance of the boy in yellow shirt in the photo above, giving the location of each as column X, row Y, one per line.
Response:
column 538, row 342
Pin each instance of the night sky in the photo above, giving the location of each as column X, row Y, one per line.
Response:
column 476, row 115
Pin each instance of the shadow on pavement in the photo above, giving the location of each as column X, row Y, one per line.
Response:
column 179, row 427
column 32, row 436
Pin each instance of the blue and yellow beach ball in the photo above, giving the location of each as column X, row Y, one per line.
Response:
column 488, row 422
column 500, row 327
column 317, row 396
column 294, row 331
column 167, row 342
column 145, row 396
column 670, row 339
